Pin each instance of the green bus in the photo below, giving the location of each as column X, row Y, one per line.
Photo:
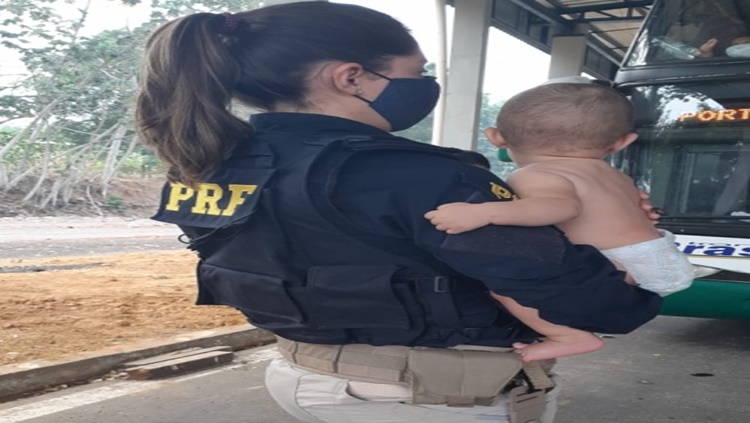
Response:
column 688, row 75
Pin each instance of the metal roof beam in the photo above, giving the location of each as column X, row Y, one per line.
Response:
column 549, row 15
column 626, row 4
column 521, row 23
column 535, row 23
column 611, row 19
column 603, row 16
column 604, row 36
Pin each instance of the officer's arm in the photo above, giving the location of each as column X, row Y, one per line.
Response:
column 570, row 285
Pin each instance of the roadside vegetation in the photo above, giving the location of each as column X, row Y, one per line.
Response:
column 66, row 129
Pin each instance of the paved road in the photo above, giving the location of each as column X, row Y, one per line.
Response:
column 87, row 247
column 42, row 237
column 673, row 370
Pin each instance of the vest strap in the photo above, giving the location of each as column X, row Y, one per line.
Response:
column 436, row 293
column 536, row 376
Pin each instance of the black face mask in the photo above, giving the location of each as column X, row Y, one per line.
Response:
column 405, row 101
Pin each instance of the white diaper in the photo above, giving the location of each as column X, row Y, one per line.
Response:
column 740, row 50
column 656, row 265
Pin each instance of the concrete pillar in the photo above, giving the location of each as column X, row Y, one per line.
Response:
column 441, row 70
column 465, row 73
column 567, row 55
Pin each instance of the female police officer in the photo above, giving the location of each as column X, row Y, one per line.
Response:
column 309, row 220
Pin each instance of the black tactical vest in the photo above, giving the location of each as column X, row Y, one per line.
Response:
column 273, row 246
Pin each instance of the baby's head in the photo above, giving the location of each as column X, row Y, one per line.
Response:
column 565, row 119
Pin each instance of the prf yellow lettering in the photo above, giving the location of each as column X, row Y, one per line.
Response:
column 238, row 197
column 177, row 194
column 500, row 191
column 207, row 200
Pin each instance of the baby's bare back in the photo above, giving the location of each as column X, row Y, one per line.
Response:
column 611, row 215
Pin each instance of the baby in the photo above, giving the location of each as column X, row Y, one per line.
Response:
column 722, row 36
column 558, row 134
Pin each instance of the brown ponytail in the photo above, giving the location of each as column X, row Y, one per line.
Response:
column 188, row 79
column 195, row 65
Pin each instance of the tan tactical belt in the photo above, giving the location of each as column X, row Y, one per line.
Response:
column 458, row 376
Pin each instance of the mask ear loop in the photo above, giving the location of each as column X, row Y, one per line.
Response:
column 358, row 94
column 377, row 73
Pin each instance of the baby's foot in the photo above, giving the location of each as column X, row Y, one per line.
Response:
column 558, row 347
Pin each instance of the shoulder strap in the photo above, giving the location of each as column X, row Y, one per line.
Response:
column 403, row 144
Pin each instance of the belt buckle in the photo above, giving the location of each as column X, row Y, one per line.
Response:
column 526, row 406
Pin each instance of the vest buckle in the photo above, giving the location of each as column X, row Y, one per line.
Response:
column 441, row 284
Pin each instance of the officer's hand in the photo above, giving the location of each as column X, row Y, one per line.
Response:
column 653, row 213
column 455, row 218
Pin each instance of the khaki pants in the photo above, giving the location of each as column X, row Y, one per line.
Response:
column 317, row 398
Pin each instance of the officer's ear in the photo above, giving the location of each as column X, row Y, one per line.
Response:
column 347, row 77
column 496, row 138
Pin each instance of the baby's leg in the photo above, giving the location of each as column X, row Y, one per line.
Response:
column 560, row 345
column 559, row 340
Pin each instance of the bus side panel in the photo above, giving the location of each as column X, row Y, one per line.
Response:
column 712, row 299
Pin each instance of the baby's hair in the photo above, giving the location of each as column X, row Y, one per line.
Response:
column 564, row 117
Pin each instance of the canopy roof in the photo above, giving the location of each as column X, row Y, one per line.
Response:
column 611, row 25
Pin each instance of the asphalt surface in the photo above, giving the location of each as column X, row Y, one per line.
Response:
column 44, row 237
column 673, row 370
column 87, row 247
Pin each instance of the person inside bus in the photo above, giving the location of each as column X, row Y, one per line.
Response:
column 308, row 219
column 558, row 134
column 699, row 29
column 722, row 37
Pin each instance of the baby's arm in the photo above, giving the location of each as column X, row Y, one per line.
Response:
column 546, row 199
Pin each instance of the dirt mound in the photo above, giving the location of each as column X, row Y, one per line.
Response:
column 56, row 308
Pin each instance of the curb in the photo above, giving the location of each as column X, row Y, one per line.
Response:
column 19, row 379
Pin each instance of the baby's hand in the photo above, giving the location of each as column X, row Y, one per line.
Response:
column 707, row 49
column 455, row 218
column 653, row 213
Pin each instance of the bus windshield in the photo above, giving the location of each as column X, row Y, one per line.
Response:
column 693, row 151
column 693, row 30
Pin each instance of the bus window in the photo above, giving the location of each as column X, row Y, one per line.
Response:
column 687, row 30
column 693, row 153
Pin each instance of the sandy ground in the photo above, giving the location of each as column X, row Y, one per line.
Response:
column 63, row 298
